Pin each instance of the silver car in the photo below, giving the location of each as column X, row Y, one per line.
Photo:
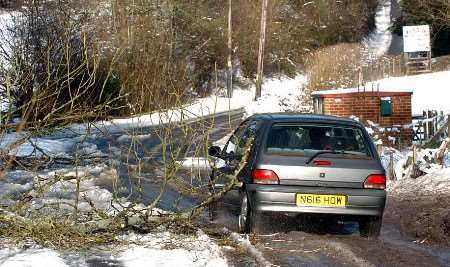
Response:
column 305, row 164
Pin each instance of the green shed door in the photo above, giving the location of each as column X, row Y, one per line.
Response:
column 386, row 106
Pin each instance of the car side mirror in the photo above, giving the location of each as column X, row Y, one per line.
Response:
column 214, row 151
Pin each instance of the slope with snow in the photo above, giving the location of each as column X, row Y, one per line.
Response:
column 430, row 91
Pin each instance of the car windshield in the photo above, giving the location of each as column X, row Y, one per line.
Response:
column 307, row 140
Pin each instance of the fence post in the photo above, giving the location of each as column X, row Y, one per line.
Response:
column 425, row 136
column 392, row 176
column 448, row 126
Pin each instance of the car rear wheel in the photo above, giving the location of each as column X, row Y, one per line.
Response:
column 370, row 227
column 248, row 218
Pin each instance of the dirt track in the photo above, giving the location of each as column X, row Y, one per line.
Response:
column 329, row 243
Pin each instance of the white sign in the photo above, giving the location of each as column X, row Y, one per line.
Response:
column 416, row 38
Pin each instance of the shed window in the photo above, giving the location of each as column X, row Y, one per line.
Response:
column 386, row 106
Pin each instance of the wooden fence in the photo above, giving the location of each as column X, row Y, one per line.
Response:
column 431, row 126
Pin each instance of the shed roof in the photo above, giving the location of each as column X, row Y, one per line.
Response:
column 361, row 90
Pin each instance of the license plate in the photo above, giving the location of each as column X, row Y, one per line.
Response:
column 315, row 200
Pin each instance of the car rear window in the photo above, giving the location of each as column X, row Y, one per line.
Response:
column 308, row 139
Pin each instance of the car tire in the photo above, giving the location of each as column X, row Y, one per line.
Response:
column 248, row 218
column 370, row 227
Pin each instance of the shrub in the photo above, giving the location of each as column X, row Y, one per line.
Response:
column 54, row 67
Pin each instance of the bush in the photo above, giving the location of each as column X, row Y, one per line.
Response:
column 55, row 72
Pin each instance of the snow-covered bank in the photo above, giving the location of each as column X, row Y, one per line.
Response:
column 277, row 95
column 156, row 249
column 45, row 146
column 30, row 258
column 430, row 91
column 200, row 108
column 280, row 95
column 434, row 178
column 149, row 250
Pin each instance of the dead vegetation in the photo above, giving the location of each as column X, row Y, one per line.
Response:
column 348, row 66
column 427, row 221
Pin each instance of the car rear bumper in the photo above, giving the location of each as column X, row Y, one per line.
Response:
column 282, row 198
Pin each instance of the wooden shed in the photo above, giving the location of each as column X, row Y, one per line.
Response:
column 387, row 112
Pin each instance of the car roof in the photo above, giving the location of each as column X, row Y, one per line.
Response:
column 304, row 117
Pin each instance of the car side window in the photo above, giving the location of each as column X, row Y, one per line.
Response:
column 239, row 139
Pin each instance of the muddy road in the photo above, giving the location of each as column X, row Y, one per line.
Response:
column 299, row 241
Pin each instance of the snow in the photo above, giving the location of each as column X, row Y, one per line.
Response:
column 379, row 41
column 252, row 250
column 279, row 95
column 430, row 91
column 58, row 147
column 200, row 108
column 195, row 163
column 148, row 250
column 46, row 146
column 18, row 182
column 434, row 183
column 363, row 89
column 435, row 178
column 30, row 258
column 160, row 248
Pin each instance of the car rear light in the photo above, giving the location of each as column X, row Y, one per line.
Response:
column 265, row 177
column 375, row 181
column 322, row 163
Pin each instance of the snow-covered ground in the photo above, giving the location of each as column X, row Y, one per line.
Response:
column 280, row 95
column 435, row 178
column 49, row 145
column 430, row 91
column 160, row 248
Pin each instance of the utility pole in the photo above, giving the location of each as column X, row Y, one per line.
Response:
column 262, row 40
column 230, row 54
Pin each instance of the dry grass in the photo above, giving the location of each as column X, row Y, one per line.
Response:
column 52, row 233
column 441, row 64
column 334, row 67
column 347, row 66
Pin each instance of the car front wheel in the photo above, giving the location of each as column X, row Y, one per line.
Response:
column 370, row 227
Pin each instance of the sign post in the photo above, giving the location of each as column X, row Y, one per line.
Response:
column 417, row 48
